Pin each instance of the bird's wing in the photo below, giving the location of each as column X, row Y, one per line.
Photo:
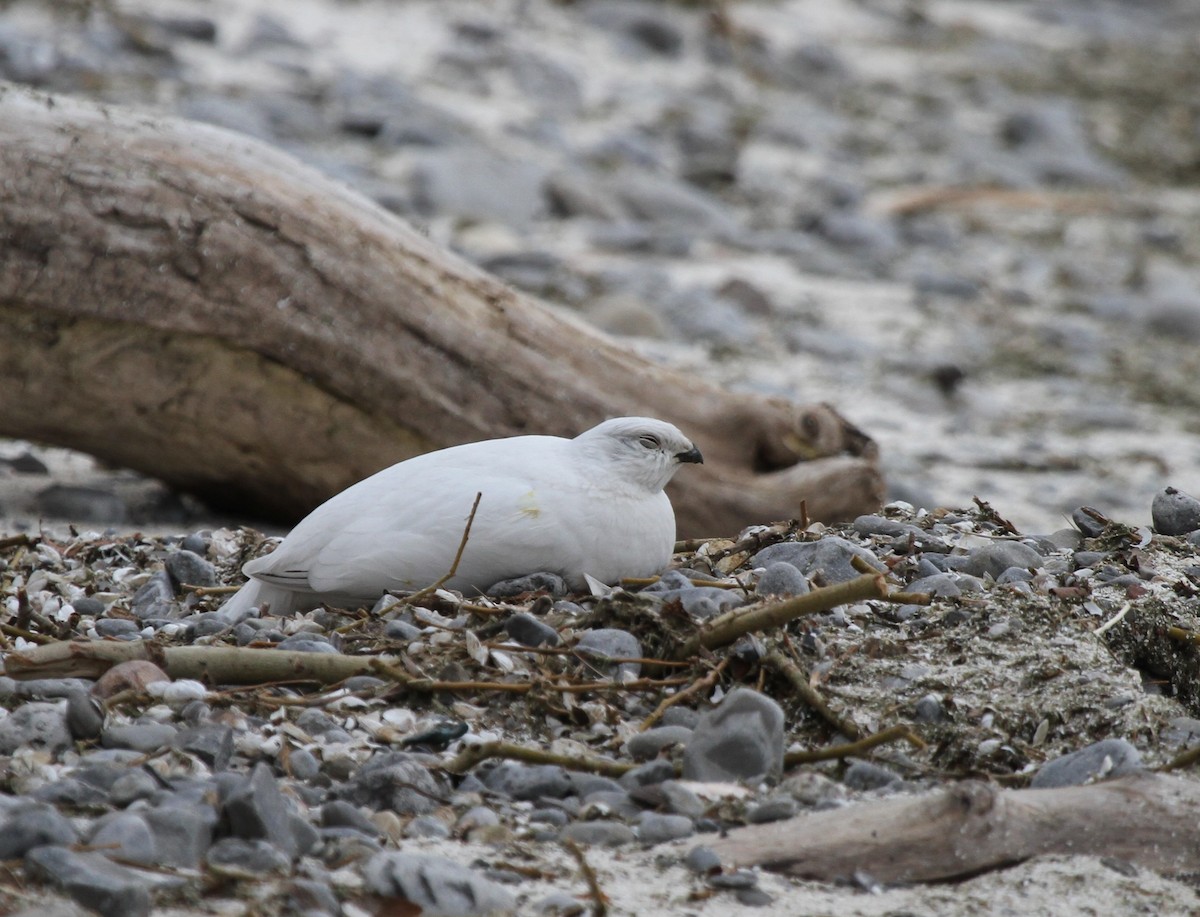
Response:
column 400, row 528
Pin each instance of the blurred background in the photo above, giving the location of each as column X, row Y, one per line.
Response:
column 971, row 225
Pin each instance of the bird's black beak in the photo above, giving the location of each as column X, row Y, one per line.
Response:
column 692, row 455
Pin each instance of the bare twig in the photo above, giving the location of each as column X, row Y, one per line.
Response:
column 599, row 899
column 701, row 684
column 462, row 546
column 807, row 693
column 854, row 749
column 1114, row 620
column 202, row 591
column 477, row 754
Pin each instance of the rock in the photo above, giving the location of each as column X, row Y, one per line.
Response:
column 1099, row 761
column 212, row 743
column 257, row 810
column 782, row 580
column 478, row 183
column 774, row 808
column 235, row 856
column 993, row 559
column 187, row 567
column 529, row 631
column 92, row 880
column 598, row 833
column 340, row 814
column 156, row 599
column 702, row 861
column 40, row 726
column 125, row 836
column 84, row 716
column 134, row 675
column 648, row 744
column 435, row 885
column 143, row 737
column 528, row 781
column 704, row 601
column 596, row 647
column 654, row 828
column 28, row 825
column 1174, row 512
column 830, row 557
column 863, row 775
column 395, row 781
column 550, row 583
column 742, row 739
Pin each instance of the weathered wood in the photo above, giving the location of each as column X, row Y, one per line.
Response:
column 181, row 300
column 1148, row 819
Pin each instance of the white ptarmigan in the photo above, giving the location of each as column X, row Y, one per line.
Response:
column 590, row 505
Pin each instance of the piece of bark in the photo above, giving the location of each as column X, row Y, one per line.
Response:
column 1146, row 819
column 196, row 305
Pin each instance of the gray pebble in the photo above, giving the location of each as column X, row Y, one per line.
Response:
column 435, row 885
column 143, row 737
column 256, row 809
column 427, row 826
column 117, row 627
column 550, row 583
column 28, row 825
column 649, row 774
column 702, row 860
column 401, row 630
column 1174, row 512
column 993, row 559
column 183, row 830
column 530, row 631
column 81, row 504
column 741, row 878
column 830, row 557
column 303, row 764
column 742, row 739
column 196, row 542
column 774, row 808
column 649, row 743
column 941, row 585
column 307, row 643
column 680, row 800
column 596, row 647
column 132, row 786
column 212, row 743
column 781, row 579
column 598, row 833
column 863, row 775
column 930, row 709
column 85, row 716
column 90, row 607
column 654, row 828
column 554, row 817
column 611, row 802
column 93, row 880
column 241, row 857
column 126, row 837
column 679, row 715
column 155, row 599
column 528, row 781
column 310, row 898
column 1101, row 760
column 40, row 726
column 188, row 568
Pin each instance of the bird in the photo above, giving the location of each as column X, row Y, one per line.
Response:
column 593, row 505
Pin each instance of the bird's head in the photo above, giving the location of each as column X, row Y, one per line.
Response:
column 644, row 450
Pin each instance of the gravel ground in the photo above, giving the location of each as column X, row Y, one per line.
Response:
column 970, row 226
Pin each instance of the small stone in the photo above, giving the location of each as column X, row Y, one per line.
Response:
column 401, row 630
column 257, row 810
column 598, row 833
column 830, row 557
column 742, row 739
column 654, row 828
column 435, row 885
column 303, row 765
column 120, row 628
column 783, row 580
column 392, row 780
column 155, row 599
column 1087, row 525
column 41, row 726
column 311, row 898
column 134, row 675
column 196, row 542
column 993, row 559
column 81, row 504
column 236, row 856
column 89, row 607
column 702, row 860
column 125, row 836
column 189, row 568
column 427, row 826
column 863, row 775
column 550, row 583
column 528, row 781
column 930, row 709
column 596, row 647
column 29, row 825
column 211, row 743
column 775, row 808
column 649, row 774
column 1174, row 512
column 132, row 786
column 648, row 744
column 1099, row 761
column 85, row 716
column 143, row 737
column 92, row 880
column 183, row 831
column 680, row 800
column 529, row 631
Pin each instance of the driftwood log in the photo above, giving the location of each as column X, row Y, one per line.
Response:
column 185, row 301
column 1149, row 820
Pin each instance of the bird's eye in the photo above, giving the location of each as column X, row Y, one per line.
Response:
column 650, row 442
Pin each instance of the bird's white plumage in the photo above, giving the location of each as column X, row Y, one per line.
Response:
column 590, row 505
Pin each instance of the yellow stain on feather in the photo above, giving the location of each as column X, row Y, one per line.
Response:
column 527, row 504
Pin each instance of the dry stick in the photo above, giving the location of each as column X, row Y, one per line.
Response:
column 202, row 591
column 651, row 580
column 599, row 899
column 701, row 684
column 854, row 749
column 477, row 754
column 462, row 546
column 727, row 628
column 807, row 693
column 1183, row 759
column 1183, row 635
